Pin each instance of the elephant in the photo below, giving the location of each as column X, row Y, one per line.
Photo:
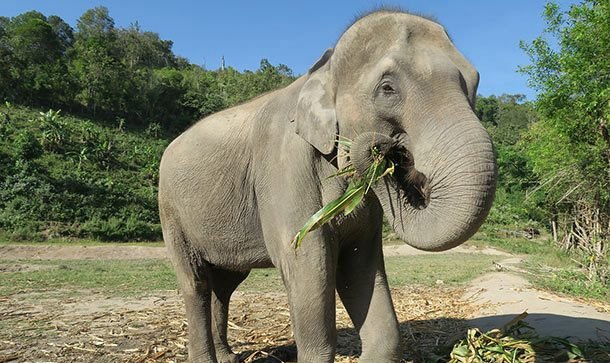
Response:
column 236, row 187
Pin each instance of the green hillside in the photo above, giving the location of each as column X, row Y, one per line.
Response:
column 69, row 176
column 95, row 175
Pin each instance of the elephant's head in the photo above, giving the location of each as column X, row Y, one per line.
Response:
column 396, row 82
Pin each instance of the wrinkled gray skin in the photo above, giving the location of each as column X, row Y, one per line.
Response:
column 236, row 187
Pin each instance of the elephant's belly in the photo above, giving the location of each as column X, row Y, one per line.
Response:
column 227, row 237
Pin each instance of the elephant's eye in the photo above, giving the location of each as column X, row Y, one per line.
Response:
column 387, row 91
column 387, row 88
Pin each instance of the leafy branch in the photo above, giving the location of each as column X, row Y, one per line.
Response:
column 357, row 188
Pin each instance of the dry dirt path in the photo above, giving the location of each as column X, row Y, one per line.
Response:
column 504, row 295
column 60, row 252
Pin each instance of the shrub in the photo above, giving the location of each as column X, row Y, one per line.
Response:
column 120, row 229
column 27, row 146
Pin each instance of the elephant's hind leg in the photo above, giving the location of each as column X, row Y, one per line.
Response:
column 193, row 275
column 223, row 284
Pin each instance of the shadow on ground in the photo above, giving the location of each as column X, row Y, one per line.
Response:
column 424, row 342
column 573, row 328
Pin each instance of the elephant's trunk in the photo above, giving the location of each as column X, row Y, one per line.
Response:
column 443, row 185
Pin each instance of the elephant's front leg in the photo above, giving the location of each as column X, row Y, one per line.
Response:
column 363, row 288
column 309, row 277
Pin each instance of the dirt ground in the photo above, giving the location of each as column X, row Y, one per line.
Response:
column 87, row 326
column 504, row 294
column 61, row 252
column 153, row 329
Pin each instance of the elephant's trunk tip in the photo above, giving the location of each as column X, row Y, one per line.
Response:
column 414, row 184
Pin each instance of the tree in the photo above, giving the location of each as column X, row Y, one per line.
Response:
column 63, row 32
column 144, row 49
column 142, row 54
column 487, row 110
column 569, row 148
column 5, row 60
column 206, row 91
column 506, row 117
column 96, row 23
column 34, row 51
column 97, row 65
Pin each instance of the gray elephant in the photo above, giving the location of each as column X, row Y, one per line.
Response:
column 236, row 187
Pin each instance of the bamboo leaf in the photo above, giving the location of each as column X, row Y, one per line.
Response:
column 348, row 171
column 353, row 195
column 347, row 144
column 355, row 200
column 495, row 349
column 329, row 211
column 460, row 350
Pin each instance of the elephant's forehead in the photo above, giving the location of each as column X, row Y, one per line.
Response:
column 378, row 35
column 390, row 28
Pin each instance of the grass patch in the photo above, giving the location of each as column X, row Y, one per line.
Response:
column 116, row 277
column 423, row 270
column 519, row 246
column 570, row 282
column 263, row 280
column 451, row 269
column 137, row 277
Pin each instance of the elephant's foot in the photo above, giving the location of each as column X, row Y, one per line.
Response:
column 201, row 358
column 385, row 355
column 381, row 349
column 377, row 360
column 227, row 357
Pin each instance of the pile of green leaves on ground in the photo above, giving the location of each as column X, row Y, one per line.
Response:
column 519, row 343
column 67, row 176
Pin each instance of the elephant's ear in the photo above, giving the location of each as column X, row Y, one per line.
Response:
column 315, row 117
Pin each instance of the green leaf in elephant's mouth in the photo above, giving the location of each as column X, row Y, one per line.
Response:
column 357, row 188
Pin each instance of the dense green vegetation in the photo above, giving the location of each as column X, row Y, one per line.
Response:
column 568, row 149
column 90, row 171
column 112, row 73
column 67, row 176
column 506, row 117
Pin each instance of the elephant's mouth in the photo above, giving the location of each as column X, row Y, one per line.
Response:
column 410, row 184
column 412, row 187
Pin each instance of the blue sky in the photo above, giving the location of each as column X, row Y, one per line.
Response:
column 296, row 33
